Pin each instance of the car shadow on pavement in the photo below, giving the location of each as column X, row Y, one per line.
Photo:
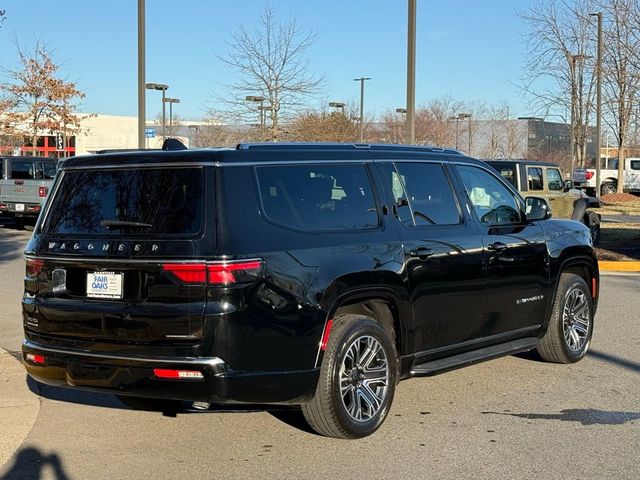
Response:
column 290, row 415
column 11, row 245
column 616, row 360
column 31, row 464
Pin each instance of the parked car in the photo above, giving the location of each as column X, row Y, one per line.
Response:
column 609, row 177
column 24, row 185
column 316, row 275
column 545, row 180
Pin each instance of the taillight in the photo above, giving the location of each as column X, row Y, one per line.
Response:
column 588, row 175
column 224, row 273
column 3, row 206
column 34, row 267
column 42, row 191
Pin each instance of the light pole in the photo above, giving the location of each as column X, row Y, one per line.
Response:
column 163, row 87
column 403, row 112
column 411, row 72
column 574, row 94
column 462, row 116
column 457, row 119
column 260, row 100
column 361, row 80
column 171, row 101
column 142, row 112
column 339, row 105
column 598, row 102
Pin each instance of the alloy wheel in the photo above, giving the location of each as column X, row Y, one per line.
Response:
column 576, row 319
column 364, row 378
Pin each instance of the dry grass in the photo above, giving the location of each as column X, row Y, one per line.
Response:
column 617, row 208
column 619, row 241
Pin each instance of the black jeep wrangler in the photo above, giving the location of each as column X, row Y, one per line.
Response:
column 316, row 275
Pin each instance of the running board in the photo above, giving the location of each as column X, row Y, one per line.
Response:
column 474, row 356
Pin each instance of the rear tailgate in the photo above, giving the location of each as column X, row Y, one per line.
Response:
column 97, row 268
column 142, row 303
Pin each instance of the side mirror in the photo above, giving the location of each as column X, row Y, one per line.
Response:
column 568, row 185
column 537, row 209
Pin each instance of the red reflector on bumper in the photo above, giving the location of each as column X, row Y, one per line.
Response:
column 177, row 374
column 35, row 358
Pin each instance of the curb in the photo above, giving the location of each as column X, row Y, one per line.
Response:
column 19, row 407
column 611, row 266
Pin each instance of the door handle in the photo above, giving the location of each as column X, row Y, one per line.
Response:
column 497, row 247
column 421, row 252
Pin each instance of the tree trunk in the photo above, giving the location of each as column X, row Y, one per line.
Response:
column 621, row 161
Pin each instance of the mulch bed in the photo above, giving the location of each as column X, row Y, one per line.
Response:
column 618, row 197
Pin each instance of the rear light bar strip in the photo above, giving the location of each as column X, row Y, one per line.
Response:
column 215, row 273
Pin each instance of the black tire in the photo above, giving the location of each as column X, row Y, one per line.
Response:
column 150, row 404
column 328, row 413
column 608, row 188
column 570, row 327
column 592, row 221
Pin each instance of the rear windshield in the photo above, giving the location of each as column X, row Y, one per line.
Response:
column 128, row 202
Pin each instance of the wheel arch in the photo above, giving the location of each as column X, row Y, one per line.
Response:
column 381, row 303
column 582, row 265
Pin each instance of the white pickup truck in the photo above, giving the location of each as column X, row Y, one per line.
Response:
column 586, row 177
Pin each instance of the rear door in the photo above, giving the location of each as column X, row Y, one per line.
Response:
column 117, row 252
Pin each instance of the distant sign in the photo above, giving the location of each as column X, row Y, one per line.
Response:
column 59, row 141
column 150, row 132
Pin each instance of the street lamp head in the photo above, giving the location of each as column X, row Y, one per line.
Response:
column 361, row 79
column 171, row 100
column 464, row 115
column 401, row 110
column 156, row 86
column 254, row 98
column 337, row 104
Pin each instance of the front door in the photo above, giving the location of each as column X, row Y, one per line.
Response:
column 444, row 264
column 515, row 254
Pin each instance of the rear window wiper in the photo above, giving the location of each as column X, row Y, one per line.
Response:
column 123, row 224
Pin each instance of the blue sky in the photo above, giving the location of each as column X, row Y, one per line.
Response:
column 468, row 49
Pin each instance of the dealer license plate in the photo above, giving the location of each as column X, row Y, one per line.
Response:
column 104, row 285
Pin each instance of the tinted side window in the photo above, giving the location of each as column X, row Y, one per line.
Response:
column 47, row 170
column 318, row 197
column 508, row 172
column 429, row 193
column 554, row 179
column 635, row 164
column 22, row 170
column 534, row 178
column 492, row 201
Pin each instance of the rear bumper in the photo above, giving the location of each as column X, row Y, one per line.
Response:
column 128, row 375
column 26, row 210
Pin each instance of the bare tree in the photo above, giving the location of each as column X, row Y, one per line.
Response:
column 39, row 99
column 559, row 76
column 323, row 126
column 621, row 72
column 3, row 16
column 272, row 65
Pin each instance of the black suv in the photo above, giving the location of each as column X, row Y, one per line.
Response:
column 301, row 274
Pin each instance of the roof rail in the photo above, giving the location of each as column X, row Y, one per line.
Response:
column 343, row 146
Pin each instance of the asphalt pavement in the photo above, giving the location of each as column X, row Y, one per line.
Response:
column 515, row 417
